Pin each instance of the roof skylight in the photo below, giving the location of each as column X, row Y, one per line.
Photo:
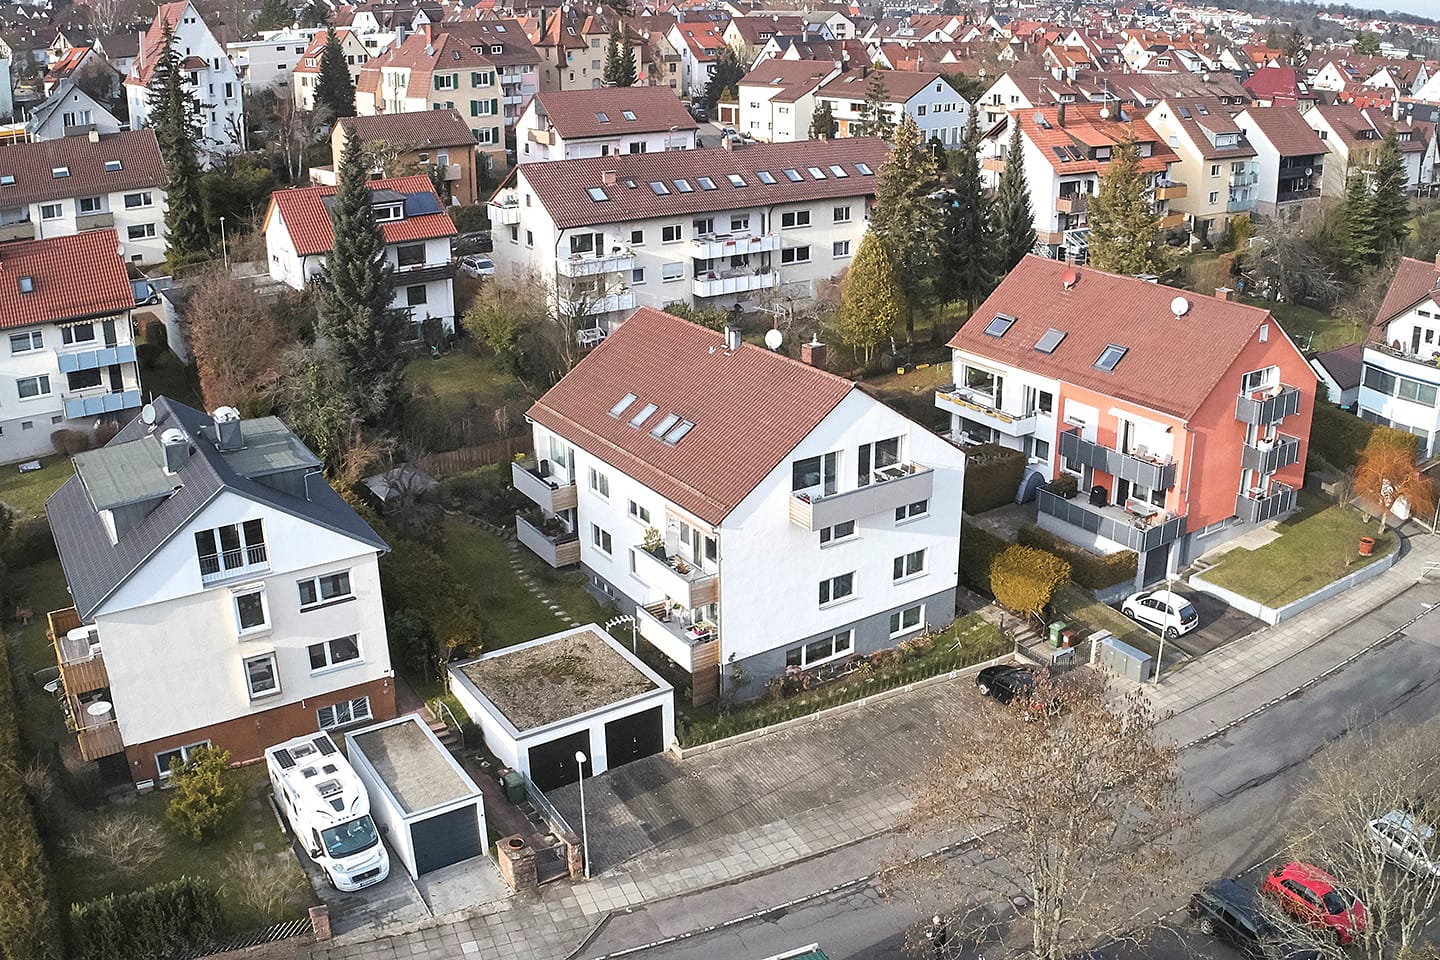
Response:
column 864, row 169
column 112, row 166
column 597, row 194
column 838, row 170
column 59, row 173
column 666, row 422
column 1110, row 356
column 736, row 180
column 1049, row 340
column 625, row 401
column 684, row 186
column 643, row 415
column 677, row 433
column 7, row 180
column 659, row 188
column 765, row 176
column 628, row 114
column 793, row 175
column 602, row 117
column 999, row 326
column 705, row 183
column 816, row 172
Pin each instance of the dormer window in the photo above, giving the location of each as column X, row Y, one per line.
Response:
column 389, row 212
column 496, row 48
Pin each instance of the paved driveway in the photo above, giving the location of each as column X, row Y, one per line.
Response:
column 1220, row 623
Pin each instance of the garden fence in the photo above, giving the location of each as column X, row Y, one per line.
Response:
column 451, row 462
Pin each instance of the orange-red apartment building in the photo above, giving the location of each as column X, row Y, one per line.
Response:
column 1184, row 419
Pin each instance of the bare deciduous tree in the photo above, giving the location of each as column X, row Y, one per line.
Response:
column 128, row 843
column 234, row 339
column 266, row 885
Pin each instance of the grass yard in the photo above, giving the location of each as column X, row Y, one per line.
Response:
column 1312, row 329
column 482, row 562
column 168, row 377
column 25, row 493
column 912, row 393
column 461, row 381
column 1316, row 547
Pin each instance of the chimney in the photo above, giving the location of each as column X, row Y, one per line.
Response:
column 1060, row 115
column 726, row 145
column 607, row 177
column 93, row 135
column 177, row 450
column 228, row 435
column 814, row 353
column 1225, row 293
column 732, row 338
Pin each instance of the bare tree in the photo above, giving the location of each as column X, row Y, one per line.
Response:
column 235, row 341
column 126, row 842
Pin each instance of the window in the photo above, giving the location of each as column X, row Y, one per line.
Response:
column 672, row 271
column 912, row 510
column 597, row 194
column 704, row 226
column 1214, row 196
column 90, row 205
column 637, row 276
column 1109, row 357
column 140, row 231
column 261, row 677
column 83, row 379
column 324, row 589
column 818, row 475
column 739, row 222
column 415, row 296
column 818, row 651
column 816, row 172
column 445, row 81
column 637, row 238
column 600, row 482
column 1039, row 449
column 659, row 188
column 843, row 530
column 1214, row 169
column 332, row 653
column 837, row 588
column 736, row 180
column 601, row 539
column 143, row 199
column 705, row 183
column 252, row 613
column 234, row 546
column 838, row 171
column 165, row 758
column 410, row 254
column 529, row 238
column 638, row 512
column 33, row 386
column 795, row 254
column 59, row 173
column 1046, row 402
column 344, row 712
column 1000, row 325
column 793, row 175
column 671, row 233
column 683, row 185
column 765, row 176
column 51, row 211
column 908, row 565
column 27, row 341
column 903, row 621
column 77, row 333
column 795, row 218
column 840, row 248
column 842, row 214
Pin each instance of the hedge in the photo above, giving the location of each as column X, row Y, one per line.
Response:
column 992, row 477
column 1341, row 437
column 158, row 922
column 1087, row 569
column 978, row 549
column 1024, row 579
column 29, row 926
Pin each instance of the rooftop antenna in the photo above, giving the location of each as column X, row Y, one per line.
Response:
column 148, row 416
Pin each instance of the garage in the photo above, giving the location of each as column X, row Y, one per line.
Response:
column 578, row 691
column 426, row 805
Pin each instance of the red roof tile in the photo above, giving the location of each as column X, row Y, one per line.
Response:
column 71, row 277
column 153, row 45
column 423, row 128
column 574, row 113
column 750, row 409
column 1082, row 128
column 31, row 164
column 1287, row 130
column 307, row 219
column 900, row 85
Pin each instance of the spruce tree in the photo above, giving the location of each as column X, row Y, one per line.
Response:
column 354, row 291
column 1014, row 217
column 175, row 117
column 874, row 118
column 906, row 218
column 273, row 15
column 611, row 75
column 334, row 90
column 969, row 255
column 729, row 71
column 629, row 73
column 822, row 122
column 1389, row 208
column 1359, row 232
column 1123, row 224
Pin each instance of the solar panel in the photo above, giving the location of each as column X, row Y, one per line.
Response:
column 324, row 745
column 1000, row 325
column 1049, row 340
column 1109, row 357
column 418, row 204
column 283, row 758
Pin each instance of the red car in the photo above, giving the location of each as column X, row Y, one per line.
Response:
column 1313, row 896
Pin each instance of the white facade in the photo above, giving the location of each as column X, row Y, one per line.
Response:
column 764, row 118
column 1030, row 401
column 69, row 106
column 937, row 108
column 267, row 61
column 1400, row 380
column 138, row 217
column 539, row 141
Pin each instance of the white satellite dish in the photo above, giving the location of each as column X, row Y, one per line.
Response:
column 147, row 414
column 773, row 339
column 1179, row 306
column 1104, row 113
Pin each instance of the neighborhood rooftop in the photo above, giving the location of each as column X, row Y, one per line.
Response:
column 306, row 213
column 79, row 166
column 614, row 111
column 37, row 279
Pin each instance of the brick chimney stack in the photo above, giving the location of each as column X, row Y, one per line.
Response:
column 1224, row 293
column 814, row 353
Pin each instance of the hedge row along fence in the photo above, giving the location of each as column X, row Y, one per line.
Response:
column 159, row 922
column 1341, row 437
column 1086, row 569
column 992, row 476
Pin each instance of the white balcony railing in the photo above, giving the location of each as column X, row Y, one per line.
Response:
column 505, row 208
column 719, row 284
column 711, row 246
column 253, row 558
column 617, row 260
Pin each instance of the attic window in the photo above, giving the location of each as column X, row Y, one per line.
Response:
column 659, row 188
column 625, row 401
column 838, row 171
column 59, row 173
column 816, row 172
column 496, row 48
column 684, row 186
column 27, row 284
column 7, row 180
column 1110, row 356
column 643, row 415
column 1049, row 340
column 112, row 166
column 597, row 194
column 1060, row 152
column 705, row 183
column 793, row 175
column 1184, row 112
column 602, row 117
column 454, row 55
column 628, row 114
column 765, row 176
column 736, row 180
column 1000, row 325
column 666, row 422
column 677, row 433
column 389, row 212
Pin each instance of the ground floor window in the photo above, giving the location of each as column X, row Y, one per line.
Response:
column 818, row 651
column 903, row 621
column 164, row 758
column 344, row 712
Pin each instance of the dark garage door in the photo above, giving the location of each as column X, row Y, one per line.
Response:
column 446, row 838
column 633, row 737
column 553, row 764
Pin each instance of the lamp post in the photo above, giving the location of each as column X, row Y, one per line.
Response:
column 1164, row 629
column 224, row 250
column 584, row 826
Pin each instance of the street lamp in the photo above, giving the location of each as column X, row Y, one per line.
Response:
column 224, row 250
column 584, row 826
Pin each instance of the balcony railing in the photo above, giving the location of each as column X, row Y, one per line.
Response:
column 77, row 653
column 1267, row 407
column 251, row 558
column 1072, row 203
column 77, row 406
column 1115, row 524
column 1157, row 473
column 992, row 164
column 24, row 230
column 505, row 208
column 589, row 264
column 720, row 283
column 425, row 272
column 1239, row 204
column 536, row 479
column 560, row 549
column 1252, row 508
column 99, row 739
column 94, row 221
column 681, row 580
column 1247, row 179
column 1170, row 190
column 673, row 635
column 711, row 246
column 1266, row 458
column 622, row 300
column 1171, row 220
column 979, row 405
column 1293, row 196
column 892, row 487
column 94, row 359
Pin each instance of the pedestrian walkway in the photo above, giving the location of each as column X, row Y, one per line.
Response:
column 530, row 584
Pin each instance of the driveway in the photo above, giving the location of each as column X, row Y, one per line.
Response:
column 1219, row 623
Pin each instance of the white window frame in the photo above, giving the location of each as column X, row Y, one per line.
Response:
column 97, row 205
column 601, row 540
column 318, row 591
column 42, row 386
column 350, row 706
column 330, row 662
column 26, row 341
column 908, row 516
column 898, row 618
column 638, row 513
column 836, row 652
column 919, row 559
column 52, row 211
column 184, row 751
column 144, row 198
column 828, row 537
column 827, row 595
column 264, row 626
column 840, row 249
column 274, row 671
column 600, row 483
column 665, row 275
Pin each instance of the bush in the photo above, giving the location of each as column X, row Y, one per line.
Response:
column 1024, row 579
column 158, row 922
column 412, row 642
column 1341, row 437
column 68, row 442
column 414, row 574
column 992, row 477
column 978, row 549
column 29, row 543
column 203, row 793
column 1064, row 485
column 486, row 494
column 1087, row 569
column 470, row 218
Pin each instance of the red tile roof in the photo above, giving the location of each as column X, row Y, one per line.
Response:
column 307, row 219
column 71, row 277
column 1414, row 281
column 153, row 45
column 31, row 164
column 900, row 85
column 703, row 39
column 1276, row 84
column 750, row 409
column 316, row 49
column 1286, row 130
column 574, row 112
column 1171, row 365
column 1084, row 128
column 794, row 78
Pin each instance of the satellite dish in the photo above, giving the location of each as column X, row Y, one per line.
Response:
column 1069, row 277
column 773, row 339
column 1104, row 113
column 1179, row 306
column 1039, row 119
column 147, row 414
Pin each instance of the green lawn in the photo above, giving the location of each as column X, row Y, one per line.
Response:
column 482, row 561
column 460, row 381
column 1077, row 607
column 1312, row 329
column 168, row 377
column 25, row 493
column 1316, row 547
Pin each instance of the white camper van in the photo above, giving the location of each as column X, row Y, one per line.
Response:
column 328, row 809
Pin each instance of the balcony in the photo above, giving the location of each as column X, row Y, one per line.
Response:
column 24, row 230
column 544, row 137
column 681, row 580
column 505, row 208
column 511, row 79
column 94, row 221
column 559, row 548
column 425, row 272
column 1264, row 407
column 513, row 100
column 992, row 164
column 96, row 359
column 684, row 642
column 537, row 481
column 1116, row 524
column 1072, row 203
column 980, row 406
column 617, row 260
column 97, row 738
column 1247, row 179
column 228, row 564
column 77, row 653
column 1172, row 220
column 78, row 406
column 1267, row 457
column 591, row 306
column 712, row 246
column 1254, row 508
column 1157, row 473
column 891, row 487
column 1170, row 190
column 718, row 283
column 1295, row 196
column 1241, row 203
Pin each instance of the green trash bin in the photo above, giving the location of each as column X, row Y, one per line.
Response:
column 1057, row 630
column 514, row 784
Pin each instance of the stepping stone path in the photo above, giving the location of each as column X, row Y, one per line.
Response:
column 535, row 588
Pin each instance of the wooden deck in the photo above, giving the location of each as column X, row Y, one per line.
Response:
column 81, row 671
column 101, row 740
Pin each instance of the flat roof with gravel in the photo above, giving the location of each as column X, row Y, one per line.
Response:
column 418, row 776
column 566, row 677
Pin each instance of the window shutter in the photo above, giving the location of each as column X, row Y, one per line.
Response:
column 495, row 107
column 474, row 108
column 475, row 79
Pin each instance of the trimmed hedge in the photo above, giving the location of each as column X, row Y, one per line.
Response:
column 158, row 922
column 992, row 477
column 1087, row 569
column 1341, row 437
column 978, row 550
column 1024, row 579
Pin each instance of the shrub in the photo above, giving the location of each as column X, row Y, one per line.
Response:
column 106, row 431
column 29, row 543
column 412, row 641
column 158, row 922
column 68, row 442
column 125, row 842
column 469, row 218
column 992, row 477
column 485, row 493
column 415, row 572
column 203, row 793
column 978, row 549
column 1024, row 579
column 1064, row 485
column 1087, row 569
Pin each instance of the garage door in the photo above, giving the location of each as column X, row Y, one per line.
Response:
column 446, row 838
column 553, row 764
column 633, row 737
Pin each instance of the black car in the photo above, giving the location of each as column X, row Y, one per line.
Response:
column 1005, row 682
column 1231, row 912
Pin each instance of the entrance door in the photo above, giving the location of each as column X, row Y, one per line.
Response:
column 633, row 737
column 1155, row 562
column 553, row 764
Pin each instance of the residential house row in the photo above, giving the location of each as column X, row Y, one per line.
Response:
column 427, row 139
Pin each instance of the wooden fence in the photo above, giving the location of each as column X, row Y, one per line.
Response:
column 451, row 462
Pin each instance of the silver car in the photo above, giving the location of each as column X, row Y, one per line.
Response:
column 477, row 266
column 1406, row 841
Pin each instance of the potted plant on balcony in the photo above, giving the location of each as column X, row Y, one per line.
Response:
column 681, row 567
column 1064, row 486
column 654, row 543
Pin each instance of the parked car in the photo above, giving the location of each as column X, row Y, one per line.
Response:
column 1231, row 912
column 1408, row 842
column 145, row 292
column 728, row 133
column 700, row 113
column 1006, row 682
column 477, row 266
column 1164, row 610
column 1314, row 897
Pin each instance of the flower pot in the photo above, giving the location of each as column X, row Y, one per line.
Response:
column 1367, row 546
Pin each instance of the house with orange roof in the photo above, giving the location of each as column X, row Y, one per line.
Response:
column 1217, row 165
column 777, row 98
column 698, row 44
column 306, row 73
column 1353, row 134
column 84, row 65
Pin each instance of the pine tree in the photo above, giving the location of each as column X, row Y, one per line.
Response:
column 906, row 218
column 354, row 291
column 969, row 254
column 874, row 118
column 1389, row 208
column 334, row 90
column 629, row 73
column 273, row 15
column 1368, row 44
column 1272, row 40
column 871, row 302
column 175, row 118
column 1014, row 217
column 822, row 122
column 729, row 71
column 1122, row 219
column 1359, row 238
column 612, row 58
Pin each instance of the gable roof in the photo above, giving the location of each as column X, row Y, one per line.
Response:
column 900, row 85
column 576, row 113
column 94, row 567
column 750, row 408
column 153, row 44
column 1170, row 365
column 71, row 278
column 1415, row 280
column 1286, row 130
column 32, row 166
column 1203, row 119
column 1343, row 365
column 703, row 39
column 307, row 217
column 1349, row 122
column 793, row 78
column 424, row 128
column 1082, row 129
column 1277, row 84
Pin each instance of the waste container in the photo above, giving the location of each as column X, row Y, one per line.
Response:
column 1099, row 496
column 1057, row 629
column 514, row 783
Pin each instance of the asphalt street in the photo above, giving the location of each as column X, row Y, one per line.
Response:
column 1241, row 783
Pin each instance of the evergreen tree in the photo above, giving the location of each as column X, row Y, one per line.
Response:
column 175, row 117
column 1014, row 218
column 1122, row 219
column 274, row 15
column 629, row 72
column 969, row 254
column 1389, row 208
column 353, row 294
column 822, row 122
column 906, row 219
column 729, row 71
column 1368, row 44
column 334, row 91
column 874, row 118
column 1296, row 43
column 1359, row 238
column 611, row 76
column 871, row 302
column 1272, row 40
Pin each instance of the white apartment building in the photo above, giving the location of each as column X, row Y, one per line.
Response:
column 698, row 44
column 306, row 71
column 92, row 181
column 566, row 124
column 210, row 74
column 417, row 233
column 266, row 62
column 709, row 227
column 224, row 594
column 754, row 513
column 1400, row 382
column 777, row 98
column 937, row 109
column 67, row 361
